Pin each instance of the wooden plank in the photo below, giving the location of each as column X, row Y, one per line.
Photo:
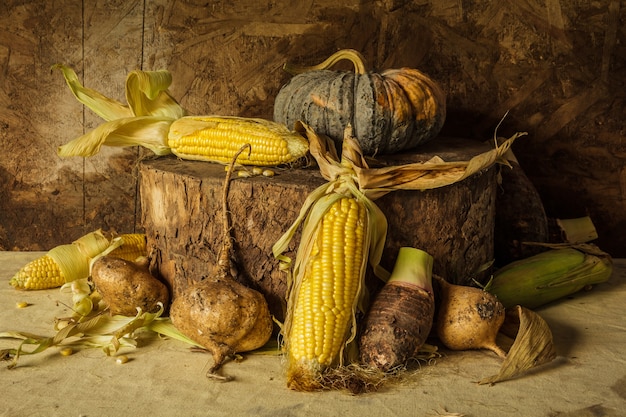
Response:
column 113, row 36
column 38, row 190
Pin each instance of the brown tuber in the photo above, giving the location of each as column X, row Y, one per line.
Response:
column 126, row 285
column 219, row 313
column 401, row 316
column 468, row 318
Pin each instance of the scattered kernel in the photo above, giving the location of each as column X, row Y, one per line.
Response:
column 61, row 324
column 121, row 359
column 66, row 351
column 268, row 173
column 257, row 171
column 21, row 304
column 244, row 174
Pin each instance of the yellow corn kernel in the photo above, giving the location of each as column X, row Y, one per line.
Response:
column 66, row 351
column 323, row 310
column 122, row 359
column 38, row 274
column 133, row 247
column 218, row 138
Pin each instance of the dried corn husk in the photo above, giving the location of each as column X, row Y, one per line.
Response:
column 144, row 121
column 577, row 230
column 73, row 259
column 109, row 333
column 95, row 330
column 376, row 182
column 533, row 345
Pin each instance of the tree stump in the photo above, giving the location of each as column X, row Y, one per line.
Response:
column 181, row 214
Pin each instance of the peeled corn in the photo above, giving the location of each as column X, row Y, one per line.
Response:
column 218, row 138
column 70, row 262
column 323, row 310
column 550, row 275
column 343, row 232
column 39, row 274
column 133, row 246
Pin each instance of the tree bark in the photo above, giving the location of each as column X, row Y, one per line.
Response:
column 181, row 214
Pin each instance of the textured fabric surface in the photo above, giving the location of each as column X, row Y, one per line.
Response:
column 163, row 378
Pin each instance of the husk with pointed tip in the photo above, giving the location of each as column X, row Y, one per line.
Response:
column 73, row 259
column 147, row 131
column 105, row 107
column 146, row 93
column 533, row 345
column 144, row 121
column 376, row 182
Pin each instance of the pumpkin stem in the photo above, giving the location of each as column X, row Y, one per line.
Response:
column 352, row 55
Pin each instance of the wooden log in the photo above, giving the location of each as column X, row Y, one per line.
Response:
column 181, row 214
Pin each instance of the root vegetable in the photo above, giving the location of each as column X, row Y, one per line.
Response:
column 219, row 313
column 126, row 285
column 401, row 315
column 468, row 318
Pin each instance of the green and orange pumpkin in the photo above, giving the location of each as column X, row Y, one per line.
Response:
column 391, row 111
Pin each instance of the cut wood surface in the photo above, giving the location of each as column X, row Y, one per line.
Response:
column 181, row 215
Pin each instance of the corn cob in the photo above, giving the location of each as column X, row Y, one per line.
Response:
column 133, row 246
column 550, row 275
column 70, row 262
column 39, row 274
column 322, row 306
column 218, row 138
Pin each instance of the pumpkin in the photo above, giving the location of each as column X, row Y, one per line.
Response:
column 391, row 111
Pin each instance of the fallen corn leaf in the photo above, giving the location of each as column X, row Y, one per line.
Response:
column 533, row 345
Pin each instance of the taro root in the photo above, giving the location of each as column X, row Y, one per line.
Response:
column 401, row 315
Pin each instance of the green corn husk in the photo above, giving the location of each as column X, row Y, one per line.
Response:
column 551, row 275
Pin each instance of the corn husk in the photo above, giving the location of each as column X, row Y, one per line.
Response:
column 144, row 121
column 376, row 182
column 109, row 333
column 146, row 93
column 558, row 272
column 576, row 230
column 532, row 347
column 73, row 259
